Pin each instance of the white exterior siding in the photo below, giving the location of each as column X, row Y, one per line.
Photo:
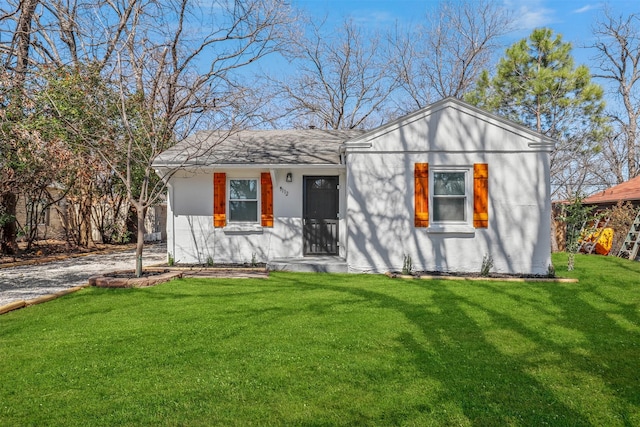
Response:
column 380, row 199
column 195, row 240
column 376, row 197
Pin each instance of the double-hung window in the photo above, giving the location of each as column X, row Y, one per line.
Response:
column 450, row 196
column 243, row 200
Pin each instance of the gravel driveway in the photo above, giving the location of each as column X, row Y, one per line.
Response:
column 32, row 281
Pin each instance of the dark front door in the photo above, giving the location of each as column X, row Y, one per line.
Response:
column 320, row 215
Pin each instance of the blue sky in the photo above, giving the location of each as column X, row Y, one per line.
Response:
column 571, row 18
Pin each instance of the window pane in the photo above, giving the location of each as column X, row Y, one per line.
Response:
column 448, row 183
column 448, row 209
column 243, row 189
column 322, row 183
column 243, row 211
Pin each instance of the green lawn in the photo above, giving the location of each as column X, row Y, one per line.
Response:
column 323, row 350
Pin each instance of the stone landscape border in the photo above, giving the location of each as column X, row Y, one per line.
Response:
column 107, row 280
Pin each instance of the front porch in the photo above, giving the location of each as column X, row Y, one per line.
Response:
column 311, row 264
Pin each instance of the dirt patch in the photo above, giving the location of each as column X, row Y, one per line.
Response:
column 228, row 273
column 220, row 270
column 246, row 265
column 157, row 275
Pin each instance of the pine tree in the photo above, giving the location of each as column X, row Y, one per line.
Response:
column 538, row 85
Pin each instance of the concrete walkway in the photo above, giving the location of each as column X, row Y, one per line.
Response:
column 33, row 281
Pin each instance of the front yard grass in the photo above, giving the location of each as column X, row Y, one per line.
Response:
column 317, row 349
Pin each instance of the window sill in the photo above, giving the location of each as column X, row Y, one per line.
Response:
column 243, row 229
column 451, row 229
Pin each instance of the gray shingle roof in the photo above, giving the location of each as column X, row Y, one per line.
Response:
column 259, row 147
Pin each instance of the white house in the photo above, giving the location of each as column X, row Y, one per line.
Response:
column 446, row 186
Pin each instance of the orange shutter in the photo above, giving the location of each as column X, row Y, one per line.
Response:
column 219, row 199
column 266, row 191
column 421, row 202
column 480, row 195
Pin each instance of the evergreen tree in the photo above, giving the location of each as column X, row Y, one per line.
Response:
column 538, row 85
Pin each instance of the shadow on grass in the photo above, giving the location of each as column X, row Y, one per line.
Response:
column 495, row 381
column 501, row 353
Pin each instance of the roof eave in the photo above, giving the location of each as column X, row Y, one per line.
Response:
column 537, row 140
column 200, row 166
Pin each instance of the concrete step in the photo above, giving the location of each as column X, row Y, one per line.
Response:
column 317, row 264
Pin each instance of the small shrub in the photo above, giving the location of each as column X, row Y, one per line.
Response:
column 254, row 260
column 551, row 271
column 209, row 261
column 487, row 265
column 407, row 265
column 122, row 237
column 170, row 260
column 6, row 218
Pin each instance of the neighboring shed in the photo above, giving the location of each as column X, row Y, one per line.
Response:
column 449, row 187
column 623, row 221
column 628, row 191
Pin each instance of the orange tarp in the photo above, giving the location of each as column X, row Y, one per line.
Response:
column 603, row 240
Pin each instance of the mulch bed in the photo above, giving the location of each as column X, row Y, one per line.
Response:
column 441, row 275
column 245, row 265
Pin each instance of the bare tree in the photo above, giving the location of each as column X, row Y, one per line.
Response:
column 167, row 67
column 342, row 79
column 618, row 59
column 445, row 56
column 174, row 72
column 36, row 37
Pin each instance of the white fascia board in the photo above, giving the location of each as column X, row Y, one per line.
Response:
column 357, row 144
column 542, row 146
column 536, row 140
column 270, row 167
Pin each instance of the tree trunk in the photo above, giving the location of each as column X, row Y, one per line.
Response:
column 9, row 233
column 571, row 261
column 85, row 238
column 141, row 213
column 22, row 40
column 631, row 146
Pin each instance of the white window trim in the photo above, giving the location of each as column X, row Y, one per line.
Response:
column 460, row 227
column 241, row 226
